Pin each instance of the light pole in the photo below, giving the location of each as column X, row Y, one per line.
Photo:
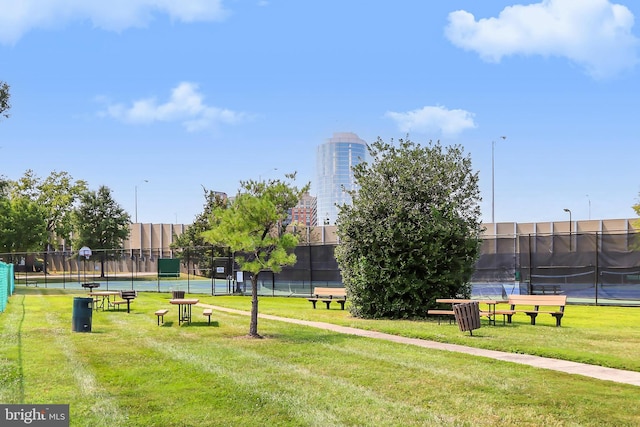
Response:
column 493, row 191
column 136, row 200
column 569, row 210
column 588, row 198
column 268, row 171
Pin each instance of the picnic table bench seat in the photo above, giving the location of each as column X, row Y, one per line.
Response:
column 527, row 304
column 450, row 314
column 440, row 313
column 328, row 295
column 207, row 312
column 160, row 313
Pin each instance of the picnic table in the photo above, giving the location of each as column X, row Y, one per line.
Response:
column 490, row 313
column 184, row 308
column 102, row 297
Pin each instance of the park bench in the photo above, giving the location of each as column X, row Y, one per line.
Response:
column 532, row 304
column 160, row 314
column 328, row 295
column 546, row 289
column 207, row 312
column 125, row 298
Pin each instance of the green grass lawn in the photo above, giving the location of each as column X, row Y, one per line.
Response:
column 130, row 372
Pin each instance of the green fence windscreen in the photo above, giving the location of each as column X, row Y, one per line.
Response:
column 168, row 267
column 7, row 284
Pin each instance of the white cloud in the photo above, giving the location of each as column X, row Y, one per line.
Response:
column 595, row 34
column 19, row 17
column 185, row 106
column 433, row 119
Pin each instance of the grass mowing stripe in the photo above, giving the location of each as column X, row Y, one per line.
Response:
column 161, row 388
column 281, row 384
column 105, row 408
column 11, row 371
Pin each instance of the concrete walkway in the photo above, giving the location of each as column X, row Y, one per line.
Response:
column 599, row 372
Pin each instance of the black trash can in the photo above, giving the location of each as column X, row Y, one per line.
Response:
column 177, row 294
column 82, row 313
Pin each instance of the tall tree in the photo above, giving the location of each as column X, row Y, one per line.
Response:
column 100, row 223
column 22, row 225
column 5, row 95
column 190, row 245
column 254, row 227
column 57, row 194
column 636, row 223
column 412, row 233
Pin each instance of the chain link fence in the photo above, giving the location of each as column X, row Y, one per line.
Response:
column 590, row 268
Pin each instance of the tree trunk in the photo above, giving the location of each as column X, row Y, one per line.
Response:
column 253, row 328
column 102, row 266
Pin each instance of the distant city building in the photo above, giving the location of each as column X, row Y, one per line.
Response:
column 305, row 212
column 335, row 159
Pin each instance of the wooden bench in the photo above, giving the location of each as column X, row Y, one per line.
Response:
column 546, row 289
column 536, row 301
column 448, row 313
column 207, row 312
column 328, row 295
column 160, row 314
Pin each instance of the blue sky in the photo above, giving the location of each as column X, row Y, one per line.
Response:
column 169, row 97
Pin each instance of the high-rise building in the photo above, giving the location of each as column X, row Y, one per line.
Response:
column 335, row 159
column 305, row 212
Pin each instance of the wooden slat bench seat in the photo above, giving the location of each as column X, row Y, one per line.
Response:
column 440, row 313
column 488, row 308
column 328, row 295
column 450, row 314
column 160, row 314
column 530, row 305
column 207, row 312
column 546, row 289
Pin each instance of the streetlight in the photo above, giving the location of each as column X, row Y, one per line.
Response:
column 136, row 197
column 493, row 202
column 268, row 171
column 588, row 198
column 569, row 210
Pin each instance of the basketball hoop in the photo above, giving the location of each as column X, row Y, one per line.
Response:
column 85, row 252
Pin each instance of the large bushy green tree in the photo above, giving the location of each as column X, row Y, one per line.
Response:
column 100, row 223
column 412, row 233
column 57, row 195
column 22, row 225
column 253, row 226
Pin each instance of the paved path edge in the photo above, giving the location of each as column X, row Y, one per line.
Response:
column 593, row 371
